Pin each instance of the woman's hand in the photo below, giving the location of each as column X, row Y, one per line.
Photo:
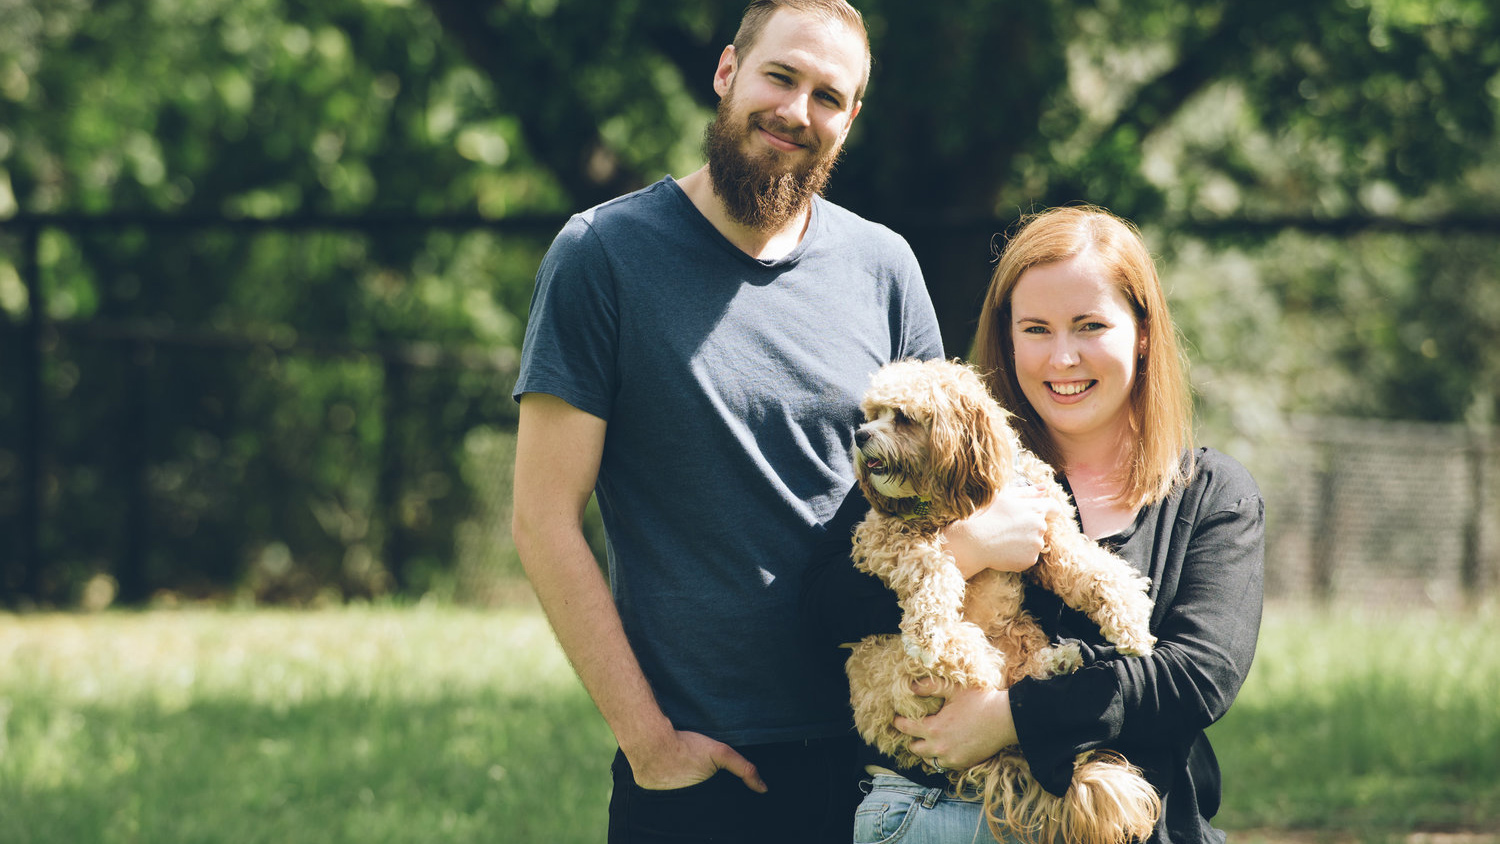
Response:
column 1006, row 534
column 972, row 726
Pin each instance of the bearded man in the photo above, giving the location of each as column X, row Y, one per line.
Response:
column 695, row 355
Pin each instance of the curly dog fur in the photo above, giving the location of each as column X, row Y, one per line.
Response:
column 935, row 447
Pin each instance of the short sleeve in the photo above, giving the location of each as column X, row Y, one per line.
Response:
column 572, row 331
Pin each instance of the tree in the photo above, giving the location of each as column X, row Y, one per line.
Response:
column 1228, row 120
column 1320, row 178
column 237, row 400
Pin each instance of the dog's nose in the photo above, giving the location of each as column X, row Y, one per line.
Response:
column 861, row 436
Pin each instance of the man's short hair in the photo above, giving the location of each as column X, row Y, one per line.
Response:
column 839, row 11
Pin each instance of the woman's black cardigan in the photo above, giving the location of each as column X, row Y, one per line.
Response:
column 1203, row 549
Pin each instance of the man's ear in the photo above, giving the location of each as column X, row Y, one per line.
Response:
column 853, row 113
column 724, row 74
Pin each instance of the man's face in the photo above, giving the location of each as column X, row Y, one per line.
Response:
column 785, row 109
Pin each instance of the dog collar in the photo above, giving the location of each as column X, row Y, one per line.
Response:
column 919, row 505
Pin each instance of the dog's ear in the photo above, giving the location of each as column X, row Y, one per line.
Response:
column 971, row 447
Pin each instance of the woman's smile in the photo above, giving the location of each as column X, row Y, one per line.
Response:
column 1076, row 345
column 1070, row 390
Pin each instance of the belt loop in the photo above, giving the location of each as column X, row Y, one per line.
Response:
column 930, row 799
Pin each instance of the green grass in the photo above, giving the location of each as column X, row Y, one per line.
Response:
column 1370, row 723
column 454, row 725
column 349, row 726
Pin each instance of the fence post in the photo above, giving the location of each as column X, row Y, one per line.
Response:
column 1471, row 565
column 25, row 577
column 135, row 458
column 389, row 493
column 1323, row 561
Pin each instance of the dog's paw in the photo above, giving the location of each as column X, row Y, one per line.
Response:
column 1064, row 659
column 1131, row 644
column 913, row 649
column 1130, row 637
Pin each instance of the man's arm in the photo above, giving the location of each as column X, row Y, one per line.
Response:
column 558, row 449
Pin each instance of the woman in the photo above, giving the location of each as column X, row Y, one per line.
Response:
column 1076, row 340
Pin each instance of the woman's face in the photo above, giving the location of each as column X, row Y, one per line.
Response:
column 1076, row 344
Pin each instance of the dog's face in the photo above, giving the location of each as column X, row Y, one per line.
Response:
column 891, row 451
column 934, row 441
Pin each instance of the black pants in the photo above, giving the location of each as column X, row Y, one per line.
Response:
column 812, row 791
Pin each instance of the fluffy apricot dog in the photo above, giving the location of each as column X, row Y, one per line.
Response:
column 936, row 447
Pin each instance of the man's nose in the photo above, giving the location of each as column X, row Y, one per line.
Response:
column 794, row 108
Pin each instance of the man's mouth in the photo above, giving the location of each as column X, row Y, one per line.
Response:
column 781, row 138
column 779, row 142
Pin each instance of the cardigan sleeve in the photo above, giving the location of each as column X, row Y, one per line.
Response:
column 1208, row 592
column 839, row 603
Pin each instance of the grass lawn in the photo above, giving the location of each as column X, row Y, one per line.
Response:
column 443, row 724
column 357, row 725
column 1368, row 723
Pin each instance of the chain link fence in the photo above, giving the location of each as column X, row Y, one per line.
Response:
column 174, row 454
column 1400, row 514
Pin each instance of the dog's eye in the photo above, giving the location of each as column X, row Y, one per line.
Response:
column 901, row 418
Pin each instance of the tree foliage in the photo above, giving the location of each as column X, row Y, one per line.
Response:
column 1321, row 179
column 1174, row 114
column 239, row 404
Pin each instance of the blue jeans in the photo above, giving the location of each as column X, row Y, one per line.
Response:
column 813, row 791
column 897, row 809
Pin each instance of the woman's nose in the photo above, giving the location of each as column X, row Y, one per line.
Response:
column 1063, row 353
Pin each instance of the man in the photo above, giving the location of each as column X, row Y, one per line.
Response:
column 695, row 354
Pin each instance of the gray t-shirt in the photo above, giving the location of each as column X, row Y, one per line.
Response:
column 731, row 389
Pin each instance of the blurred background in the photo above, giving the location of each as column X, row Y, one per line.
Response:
column 265, row 264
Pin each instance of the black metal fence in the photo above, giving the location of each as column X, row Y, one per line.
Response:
column 190, row 454
column 172, row 451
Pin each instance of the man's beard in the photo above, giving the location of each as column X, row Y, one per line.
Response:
column 759, row 192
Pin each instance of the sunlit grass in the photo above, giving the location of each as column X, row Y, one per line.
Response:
column 443, row 724
column 358, row 725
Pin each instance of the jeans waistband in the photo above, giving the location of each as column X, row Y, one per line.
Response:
column 902, row 785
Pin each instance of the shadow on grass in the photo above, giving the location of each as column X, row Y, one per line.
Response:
column 1374, row 760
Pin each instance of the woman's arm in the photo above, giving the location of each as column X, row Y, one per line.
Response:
column 841, row 604
column 1207, row 618
column 1206, row 621
column 973, row 725
column 1007, row 534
